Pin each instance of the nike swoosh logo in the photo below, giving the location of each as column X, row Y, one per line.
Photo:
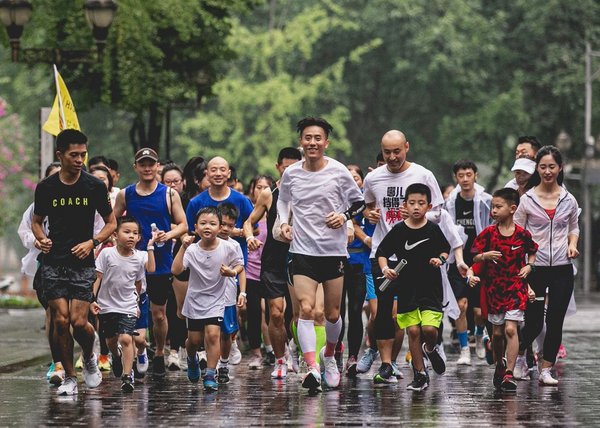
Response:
column 515, row 248
column 408, row 247
column 467, row 212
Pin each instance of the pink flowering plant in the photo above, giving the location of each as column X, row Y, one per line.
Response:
column 17, row 179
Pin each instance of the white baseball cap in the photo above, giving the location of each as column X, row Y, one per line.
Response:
column 524, row 164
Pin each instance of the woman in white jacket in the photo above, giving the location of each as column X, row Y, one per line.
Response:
column 550, row 213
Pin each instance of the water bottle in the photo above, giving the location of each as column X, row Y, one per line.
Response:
column 155, row 229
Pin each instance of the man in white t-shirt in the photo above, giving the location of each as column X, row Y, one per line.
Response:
column 384, row 190
column 320, row 190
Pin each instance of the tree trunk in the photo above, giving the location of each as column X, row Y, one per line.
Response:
column 155, row 121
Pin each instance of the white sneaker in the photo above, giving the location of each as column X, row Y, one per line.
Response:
column 57, row 376
column 255, row 362
column 312, row 379
column 173, row 361
column 142, row 362
column 183, row 359
column 235, row 355
column 280, row 371
column 69, row 387
column 442, row 352
column 330, row 368
column 479, row 347
column 91, row 373
column 521, row 370
column 465, row 357
column 546, row 377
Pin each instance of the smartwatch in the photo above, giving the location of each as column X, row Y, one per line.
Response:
column 95, row 242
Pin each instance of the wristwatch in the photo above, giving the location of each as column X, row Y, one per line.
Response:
column 95, row 242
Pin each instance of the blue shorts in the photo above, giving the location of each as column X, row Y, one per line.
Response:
column 230, row 322
column 370, row 287
column 144, row 306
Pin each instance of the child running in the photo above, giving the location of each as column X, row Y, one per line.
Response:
column 502, row 249
column 119, row 274
column 424, row 247
column 212, row 261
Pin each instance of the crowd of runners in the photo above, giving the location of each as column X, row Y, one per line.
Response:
column 177, row 270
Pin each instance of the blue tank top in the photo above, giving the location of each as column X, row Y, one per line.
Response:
column 147, row 210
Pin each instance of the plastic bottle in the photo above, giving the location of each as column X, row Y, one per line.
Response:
column 155, row 229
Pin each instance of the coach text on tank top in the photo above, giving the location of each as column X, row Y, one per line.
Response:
column 148, row 209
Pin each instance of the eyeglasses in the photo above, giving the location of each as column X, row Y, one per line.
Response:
column 170, row 182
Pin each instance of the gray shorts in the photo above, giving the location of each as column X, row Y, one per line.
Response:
column 61, row 282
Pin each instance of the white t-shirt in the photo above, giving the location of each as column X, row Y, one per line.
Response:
column 119, row 274
column 313, row 195
column 387, row 189
column 205, row 296
column 232, row 285
column 512, row 184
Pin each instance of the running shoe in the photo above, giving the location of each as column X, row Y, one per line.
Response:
column 91, row 373
column 489, row 353
column 419, row 383
column 465, row 357
column 193, row 370
column 479, row 347
column 562, row 352
column 235, row 355
column 442, row 352
column 365, row 363
column 127, row 383
column 183, row 358
column 50, row 370
column 331, row 372
column 203, row 362
column 173, row 361
column 142, row 363
column 280, row 371
column 546, row 377
column 269, row 359
column 255, row 362
column 499, row 373
column 396, row 371
column 437, row 362
column 351, row 367
column 210, row 385
column 158, row 366
column 117, row 366
column 223, row 375
column 385, row 375
column 312, row 380
column 57, row 376
column 521, row 370
column 69, row 387
column 508, row 382
column 79, row 363
column 104, row 363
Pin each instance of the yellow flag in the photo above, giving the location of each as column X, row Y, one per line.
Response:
column 63, row 115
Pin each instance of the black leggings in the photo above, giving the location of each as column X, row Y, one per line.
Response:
column 253, row 313
column 385, row 325
column 355, row 287
column 177, row 333
column 560, row 281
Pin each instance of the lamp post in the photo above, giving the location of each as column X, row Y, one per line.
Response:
column 15, row 14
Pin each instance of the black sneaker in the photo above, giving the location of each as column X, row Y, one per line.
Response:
column 223, row 375
column 117, row 366
column 269, row 359
column 385, row 374
column 437, row 362
column 419, row 383
column 529, row 357
column 158, row 366
column 127, row 383
column 508, row 382
column 499, row 373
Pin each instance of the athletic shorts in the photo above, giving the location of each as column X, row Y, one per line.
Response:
column 274, row 285
column 318, row 268
column 512, row 315
column 114, row 324
column 370, row 287
column 199, row 324
column 159, row 288
column 461, row 289
column 229, row 325
column 420, row 317
column 61, row 282
column 144, row 307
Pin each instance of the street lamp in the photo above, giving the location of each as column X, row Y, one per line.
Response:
column 15, row 14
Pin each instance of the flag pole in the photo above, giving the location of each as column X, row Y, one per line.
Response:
column 61, row 109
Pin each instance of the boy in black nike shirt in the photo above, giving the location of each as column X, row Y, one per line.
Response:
column 424, row 247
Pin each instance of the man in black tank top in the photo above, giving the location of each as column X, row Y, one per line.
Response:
column 273, row 261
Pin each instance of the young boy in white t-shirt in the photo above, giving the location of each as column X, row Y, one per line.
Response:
column 212, row 261
column 119, row 272
column 230, row 326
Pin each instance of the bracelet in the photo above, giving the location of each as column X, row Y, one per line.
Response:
column 150, row 248
column 532, row 266
column 243, row 294
column 443, row 259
